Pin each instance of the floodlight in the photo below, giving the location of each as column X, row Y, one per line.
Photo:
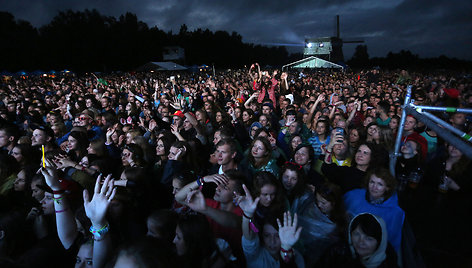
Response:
column 321, row 44
column 309, row 45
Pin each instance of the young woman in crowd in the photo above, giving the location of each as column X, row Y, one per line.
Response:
column 24, row 154
column 379, row 198
column 271, row 197
column 321, row 138
column 304, row 156
column 259, row 157
column 195, row 244
column 367, row 245
column 372, row 130
column 352, row 177
column 248, row 117
column 300, row 197
column 77, row 146
column 324, row 224
column 274, row 245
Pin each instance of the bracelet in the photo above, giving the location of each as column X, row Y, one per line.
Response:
column 246, row 216
column 60, row 211
column 252, row 226
column 98, row 238
column 99, row 233
column 200, row 182
column 57, row 200
column 286, row 254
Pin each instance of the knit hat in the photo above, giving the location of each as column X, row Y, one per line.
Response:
column 452, row 93
column 421, row 141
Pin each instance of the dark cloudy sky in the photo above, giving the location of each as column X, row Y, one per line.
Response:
column 425, row 27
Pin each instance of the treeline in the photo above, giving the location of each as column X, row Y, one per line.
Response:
column 89, row 41
column 405, row 60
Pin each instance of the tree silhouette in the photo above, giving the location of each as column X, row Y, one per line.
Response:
column 360, row 57
column 86, row 41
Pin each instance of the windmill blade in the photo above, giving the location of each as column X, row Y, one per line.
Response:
column 353, row 41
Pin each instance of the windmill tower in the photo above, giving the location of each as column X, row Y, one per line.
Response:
column 327, row 48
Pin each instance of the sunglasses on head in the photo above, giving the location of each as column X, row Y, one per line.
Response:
column 292, row 164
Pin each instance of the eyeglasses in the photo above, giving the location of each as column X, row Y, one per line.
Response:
column 83, row 118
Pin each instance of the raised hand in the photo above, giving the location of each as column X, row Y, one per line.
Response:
column 141, row 123
column 247, row 203
column 121, row 139
column 110, row 132
column 64, row 146
column 283, row 76
column 152, row 124
column 96, row 208
column 196, row 201
column 63, row 162
column 219, row 179
column 174, row 129
column 50, row 175
column 176, row 104
column 288, row 232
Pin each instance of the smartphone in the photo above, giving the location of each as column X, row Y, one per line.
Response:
column 339, row 130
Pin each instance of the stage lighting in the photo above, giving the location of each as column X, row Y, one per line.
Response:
column 321, row 44
column 309, row 45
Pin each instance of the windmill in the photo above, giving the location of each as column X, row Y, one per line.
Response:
column 327, row 48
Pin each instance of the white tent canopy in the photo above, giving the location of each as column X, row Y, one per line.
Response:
column 161, row 66
column 312, row 62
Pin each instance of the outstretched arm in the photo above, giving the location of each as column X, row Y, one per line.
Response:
column 357, row 107
column 249, row 206
column 196, row 202
column 96, row 210
column 320, row 98
column 289, row 235
column 65, row 222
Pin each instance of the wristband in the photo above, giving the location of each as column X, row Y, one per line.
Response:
column 99, row 233
column 286, row 254
column 200, row 183
column 60, row 211
column 252, row 226
column 57, row 200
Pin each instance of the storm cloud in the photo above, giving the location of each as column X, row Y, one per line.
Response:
column 428, row 28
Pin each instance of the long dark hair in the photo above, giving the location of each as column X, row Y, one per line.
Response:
column 82, row 144
column 301, row 186
column 378, row 157
column 369, row 225
column 200, row 244
column 263, row 178
column 268, row 148
column 28, row 154
column 333, row 194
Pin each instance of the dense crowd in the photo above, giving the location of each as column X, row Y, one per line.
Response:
column 247, row 168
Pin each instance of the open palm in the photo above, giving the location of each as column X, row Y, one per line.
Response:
column 96, row 209
column 288, row 232
column 247, row 203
